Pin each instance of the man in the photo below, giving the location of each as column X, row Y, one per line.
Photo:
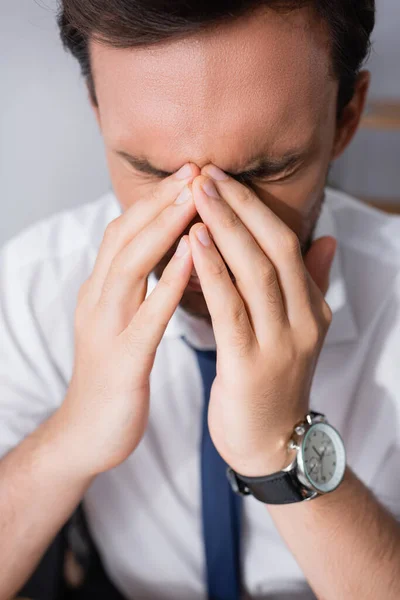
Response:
column 220, row 124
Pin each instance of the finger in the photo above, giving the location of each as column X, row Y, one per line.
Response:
column 255, row 275
column 125, row 285
column 147, row 327
column 276, row 239
column 231, row 325
column 318, row 262
column 123, row 229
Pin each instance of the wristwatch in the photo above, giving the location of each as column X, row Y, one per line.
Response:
column 318, row 467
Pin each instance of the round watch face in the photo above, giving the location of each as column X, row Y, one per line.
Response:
column 323, row 457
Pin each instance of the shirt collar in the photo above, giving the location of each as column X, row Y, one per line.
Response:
column 343, row 327
column 200, row 334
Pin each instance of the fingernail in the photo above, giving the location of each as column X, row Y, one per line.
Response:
column 210, row 189
column 183, row 196
column 216, row 173
column 202, row 236
column 182, row 248
column 184, row 172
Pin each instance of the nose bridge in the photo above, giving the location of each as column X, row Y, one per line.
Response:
column 210, row 141
column 202, row 159
column 200, row 150
column 226, row 139
column 201, row 162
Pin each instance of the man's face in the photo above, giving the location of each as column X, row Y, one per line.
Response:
column 257, row 88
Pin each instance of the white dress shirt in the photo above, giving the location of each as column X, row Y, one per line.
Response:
column 145, row 515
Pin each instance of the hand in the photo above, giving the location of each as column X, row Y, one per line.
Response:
column 269, row 324
column 117, row 330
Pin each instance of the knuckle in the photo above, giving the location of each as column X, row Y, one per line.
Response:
column 218, row 269
column 241, row 338
column 112, row 231
column 126, row 264
column 244, row 345
column 312, row 337
column 247, row 195
column 289, row 243
column 155, row 191
column 238, row 313
column 120, row 266
column 270, row 286
column 167, row 282
column 275, row 308
column 267, row 277
column 230, row 220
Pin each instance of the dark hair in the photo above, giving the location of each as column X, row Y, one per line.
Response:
column 133, row 23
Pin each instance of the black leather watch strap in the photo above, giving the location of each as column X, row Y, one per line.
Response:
column 278, row 488
column 282, row 487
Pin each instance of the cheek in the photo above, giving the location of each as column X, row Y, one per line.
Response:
column 127, row 187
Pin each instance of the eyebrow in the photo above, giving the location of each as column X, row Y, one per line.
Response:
column 264, row 166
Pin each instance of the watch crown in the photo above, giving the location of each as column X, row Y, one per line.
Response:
column 292, row 445
column 300, row 429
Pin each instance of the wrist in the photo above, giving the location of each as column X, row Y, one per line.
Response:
column 276, row 455
column 272, row 459
column 69, row 449
column 318, row 467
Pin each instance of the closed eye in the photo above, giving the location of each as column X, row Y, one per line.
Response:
column 250, row 178
column 267, row 170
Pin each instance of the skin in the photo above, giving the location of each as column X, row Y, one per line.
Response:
column 262, row 87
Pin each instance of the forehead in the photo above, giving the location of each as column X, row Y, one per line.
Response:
column 262, row 81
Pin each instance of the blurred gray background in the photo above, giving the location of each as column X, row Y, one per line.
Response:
column 51, row 154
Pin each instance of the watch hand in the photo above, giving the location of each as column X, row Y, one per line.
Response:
column 314, row 448
column 324, row 451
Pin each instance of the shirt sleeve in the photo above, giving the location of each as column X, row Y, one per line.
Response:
column 385, row 480
column 386, row 483
column 29, row 384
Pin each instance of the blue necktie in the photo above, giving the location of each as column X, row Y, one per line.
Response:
column 220, row 505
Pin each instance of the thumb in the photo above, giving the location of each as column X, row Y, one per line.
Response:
column 319, row 259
